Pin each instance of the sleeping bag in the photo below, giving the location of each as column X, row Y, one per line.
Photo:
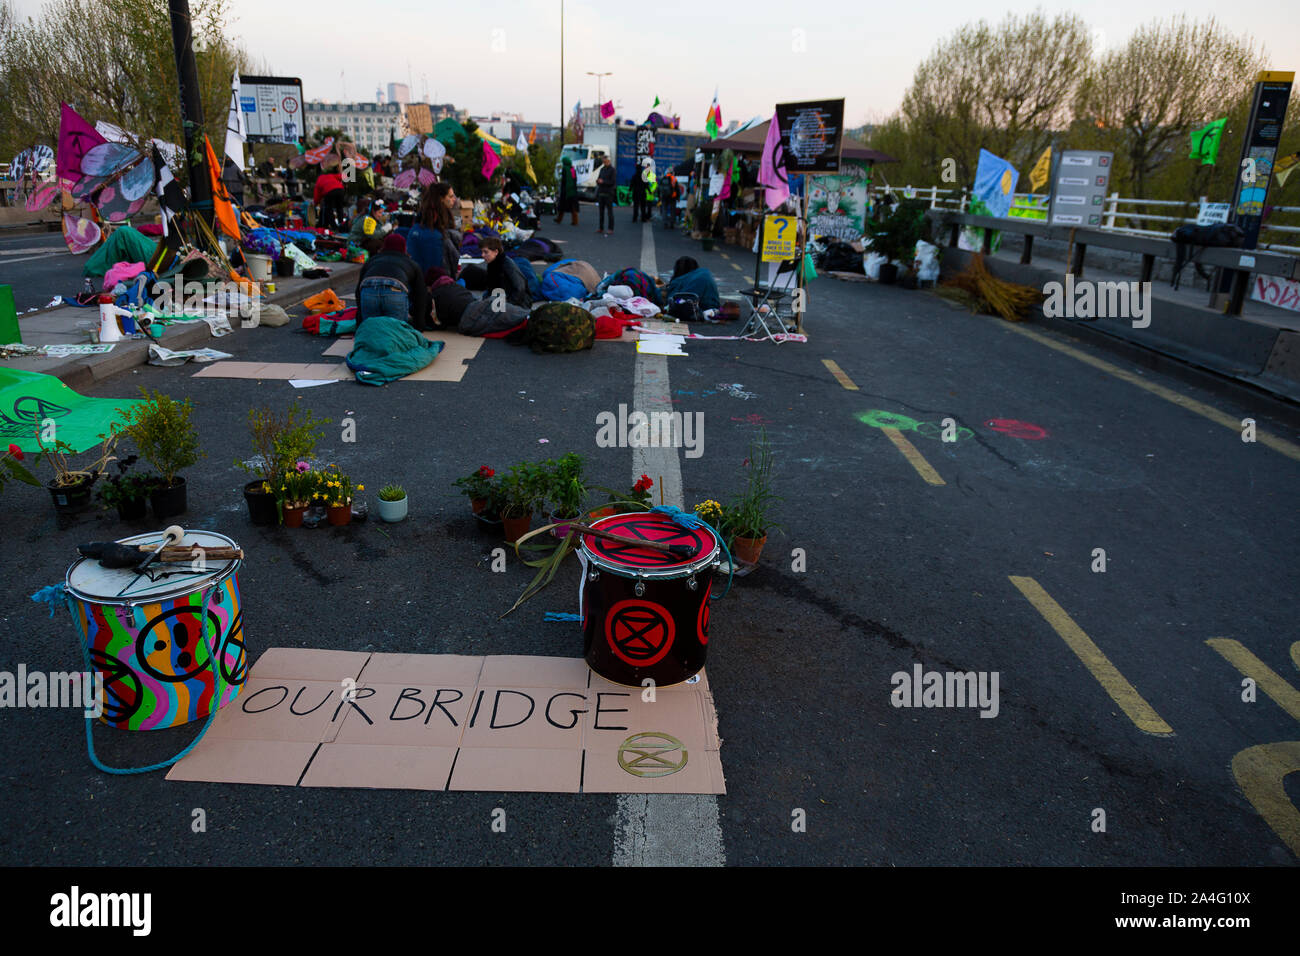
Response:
column 698, row 282
column 558, row 286
column 387, row 349
column 640, row 284
column 481, row 319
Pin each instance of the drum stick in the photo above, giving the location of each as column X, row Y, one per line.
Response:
column 677, row 550
column 173, row 534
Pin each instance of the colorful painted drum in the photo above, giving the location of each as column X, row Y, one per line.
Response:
column 645, row 613
column 146, row 637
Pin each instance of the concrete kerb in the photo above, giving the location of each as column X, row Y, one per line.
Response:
column 80, row 371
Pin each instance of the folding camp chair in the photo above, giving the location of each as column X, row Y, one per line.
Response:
column 777, row 294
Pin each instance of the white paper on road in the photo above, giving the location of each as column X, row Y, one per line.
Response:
column 61, row 351
column 218, row 324
column 661, row 345
column 164, row 356
column 312, row 382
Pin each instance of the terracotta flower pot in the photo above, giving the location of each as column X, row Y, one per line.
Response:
column 293, row 516
column 747, row 550
column 516, row 528
column 478, row 505
column 340, row 515
column 604, row 512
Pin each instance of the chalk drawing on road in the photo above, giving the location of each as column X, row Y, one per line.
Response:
column 735, row 390
column 878, row 418
column 1017, row 429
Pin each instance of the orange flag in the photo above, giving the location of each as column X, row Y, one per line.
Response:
column 532, row 135
column 223, row 211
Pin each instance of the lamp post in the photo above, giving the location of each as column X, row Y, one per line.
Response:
column 600, row 99
column 562, row 114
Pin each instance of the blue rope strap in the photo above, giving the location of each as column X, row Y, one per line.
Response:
column 690, row 521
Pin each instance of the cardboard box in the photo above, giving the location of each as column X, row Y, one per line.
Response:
column 466, row 215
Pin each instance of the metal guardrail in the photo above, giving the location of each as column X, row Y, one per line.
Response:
column 1239, row 262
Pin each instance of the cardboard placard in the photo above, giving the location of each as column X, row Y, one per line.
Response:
column 318, row 718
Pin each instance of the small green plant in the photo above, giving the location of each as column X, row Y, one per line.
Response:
column 749, row 513
column 637, row 499
column 281, row 442
column 119, row 490
column 298, row 486
column 336, row 488
column 896, row 237
column 522, row 488
column 392, row 493
column 565, row 488
column 163, row 430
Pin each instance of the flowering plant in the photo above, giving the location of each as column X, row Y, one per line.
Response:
column 10, row 468
column 711, row 511
column 477, row 484
column 335, row 488
column 298, row 486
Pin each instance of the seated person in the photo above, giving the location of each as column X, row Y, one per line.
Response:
column 689, row 276
column 450, row 299
column 498, row 272
column 392, row 284
column 368, row 227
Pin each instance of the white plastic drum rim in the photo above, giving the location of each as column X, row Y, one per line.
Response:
column 86, row 579
column 695, row 566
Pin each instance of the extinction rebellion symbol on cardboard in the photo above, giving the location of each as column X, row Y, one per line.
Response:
column 639, row 632
column 651, row 755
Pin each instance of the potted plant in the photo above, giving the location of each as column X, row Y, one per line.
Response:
column 477, row 486
column 565, row 490
column 337, row 490
column 163, row 431
column 298, row 487
column 638, row 499
column 747, row 518
column 392, row 503
column 11, row 467
column 896, row 238
column 519, row 492
column 71, row 487
column 280, row 444
column 128, row 493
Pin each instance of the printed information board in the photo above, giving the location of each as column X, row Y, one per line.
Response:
column 272, row 108
column 1079, row 187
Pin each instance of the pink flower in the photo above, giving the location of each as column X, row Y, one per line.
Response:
column 16, row 452
column 302, row 466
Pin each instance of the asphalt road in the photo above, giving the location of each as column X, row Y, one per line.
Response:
column 38, row 266
column 1199, row 530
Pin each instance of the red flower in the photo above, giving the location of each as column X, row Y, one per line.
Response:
column 16, row 452
column 645, row 484
column 485, row 472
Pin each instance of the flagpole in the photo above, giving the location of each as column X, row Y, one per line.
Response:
column 562, row 114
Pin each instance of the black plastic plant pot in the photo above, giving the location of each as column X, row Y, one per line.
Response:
column 284, row 267
column 133, row 509
column 169, row 500
column 70, row 499
column 261, row 504
column 888, row 273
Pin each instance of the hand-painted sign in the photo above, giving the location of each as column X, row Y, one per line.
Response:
column 780, row 236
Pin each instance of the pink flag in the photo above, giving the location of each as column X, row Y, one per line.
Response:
column 490, row 160
column 771, row 169
column 607, row 110
column 76, row 138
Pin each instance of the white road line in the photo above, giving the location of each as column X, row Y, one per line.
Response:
column 51, row 255
column 663, row 829
column 25, row 249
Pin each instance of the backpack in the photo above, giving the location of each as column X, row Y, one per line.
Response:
column 560, row 327
column 558, row 286
column 685, row 307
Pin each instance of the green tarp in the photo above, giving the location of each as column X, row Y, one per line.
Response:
column 28, row 398
column 447, row 130
column 124, row 245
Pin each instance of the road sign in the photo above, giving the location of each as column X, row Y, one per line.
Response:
column 1079, row 187
column 273, row 108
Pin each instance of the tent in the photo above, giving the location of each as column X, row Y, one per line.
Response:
column 447, row 130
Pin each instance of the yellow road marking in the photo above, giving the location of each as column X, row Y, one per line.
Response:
column 1281, row 445
column 738, row 267
column 1265, row 678
column 1295, row 654
column 838, row 372
column 912, row 455
column 1112, row 681
column 1259, row 772
column 724, row 255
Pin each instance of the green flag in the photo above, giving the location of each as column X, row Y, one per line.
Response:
column 656, row 103
column 1205, row 142
column 29, row 399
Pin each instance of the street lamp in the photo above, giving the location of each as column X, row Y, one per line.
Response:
column 600, row 99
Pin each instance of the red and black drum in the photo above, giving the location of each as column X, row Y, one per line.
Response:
column 645, row 613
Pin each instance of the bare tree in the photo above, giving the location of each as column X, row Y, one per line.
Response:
column 1006, row 88
column 1170, row 78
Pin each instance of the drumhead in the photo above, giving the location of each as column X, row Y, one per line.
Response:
column 89, row 581
column 636, row 562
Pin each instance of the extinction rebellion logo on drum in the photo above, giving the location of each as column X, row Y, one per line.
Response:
column 655, row 430
column 55, row 689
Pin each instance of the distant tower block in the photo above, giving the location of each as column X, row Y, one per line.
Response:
column 399, row 93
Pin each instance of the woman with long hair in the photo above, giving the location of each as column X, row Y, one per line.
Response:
column 434, row 240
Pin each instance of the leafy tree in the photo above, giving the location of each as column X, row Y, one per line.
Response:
column 1144, row 99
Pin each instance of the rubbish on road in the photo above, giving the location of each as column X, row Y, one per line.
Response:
column 662, row 345
column 62, row 351
column 312, row 382
column 167, row 357
column 55, row 302
column 452, row 722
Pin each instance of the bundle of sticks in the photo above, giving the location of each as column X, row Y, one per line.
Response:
column 985, row 292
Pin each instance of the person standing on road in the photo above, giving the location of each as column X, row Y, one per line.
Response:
column 568, row 199
column 606, row 181
column 638, row 195
column 668, row 195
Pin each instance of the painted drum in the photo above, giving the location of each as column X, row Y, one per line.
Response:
column 645, row 613
column 146, row 634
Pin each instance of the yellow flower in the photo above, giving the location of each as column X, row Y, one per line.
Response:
column 361, row 487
